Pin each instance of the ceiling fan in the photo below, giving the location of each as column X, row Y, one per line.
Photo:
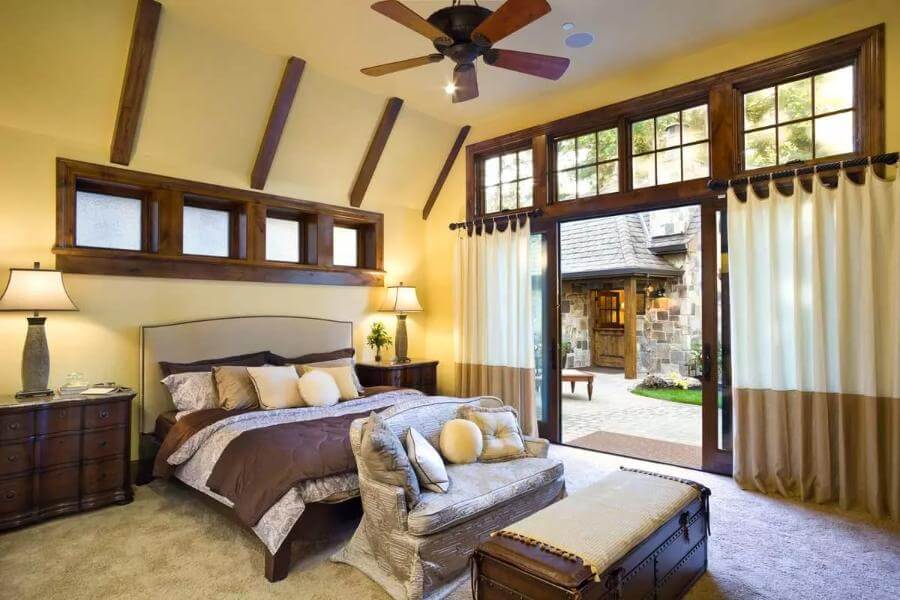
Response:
column 462, row 33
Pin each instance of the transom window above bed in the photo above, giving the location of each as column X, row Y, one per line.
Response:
column 507, row 182
column 670, row 147
column 800, row 119
column 587, row 165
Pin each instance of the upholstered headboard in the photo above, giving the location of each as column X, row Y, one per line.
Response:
column 227, row 336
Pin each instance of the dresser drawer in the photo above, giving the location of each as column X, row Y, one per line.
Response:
column 102, row 476
column 16, row 426
column 105, row 415
column 57, row 420
column 15, row 495
column 99, row 444
column 16, row 457
column 58, row 485
column 59, row 449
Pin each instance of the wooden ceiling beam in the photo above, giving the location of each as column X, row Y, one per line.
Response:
column 137, row 72
column 373, row 154
column 284, row 98
column 445, row 171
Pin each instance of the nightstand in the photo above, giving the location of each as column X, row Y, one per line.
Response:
column 418, row 374
column 60, row 456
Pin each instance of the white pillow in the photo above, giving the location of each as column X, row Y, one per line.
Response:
column 427, row 463
column 342, row 376
column 318, row 388
column 192, row 391
column 276, row 386
column 337, row 362
column 461, row 441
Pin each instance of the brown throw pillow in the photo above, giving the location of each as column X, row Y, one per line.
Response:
column 275, row 359
column 235, row 388
column 255, row 359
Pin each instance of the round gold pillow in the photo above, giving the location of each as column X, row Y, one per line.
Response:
column 461, row 441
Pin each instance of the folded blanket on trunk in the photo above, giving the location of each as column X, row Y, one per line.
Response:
column 247, row 475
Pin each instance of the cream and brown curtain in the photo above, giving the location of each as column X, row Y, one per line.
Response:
column 815, row 307
column 494, row 342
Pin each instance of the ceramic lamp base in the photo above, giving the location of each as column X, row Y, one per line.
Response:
column 400, row 343
column 35, row 360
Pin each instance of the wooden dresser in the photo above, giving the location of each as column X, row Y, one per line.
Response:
column 63, row 456
column 418, row 374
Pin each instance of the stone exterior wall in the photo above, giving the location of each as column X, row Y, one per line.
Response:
column 666, row 333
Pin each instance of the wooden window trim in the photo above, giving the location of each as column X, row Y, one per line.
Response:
column 479, row 170
column 722, row 93
column 303, row 252
column 161, row 255
column 553, row 171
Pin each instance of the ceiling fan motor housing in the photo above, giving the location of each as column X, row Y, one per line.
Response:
column 458, row 22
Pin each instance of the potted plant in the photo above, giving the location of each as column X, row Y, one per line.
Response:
column 378, row 338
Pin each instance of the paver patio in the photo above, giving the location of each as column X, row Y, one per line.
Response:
column 616, row 410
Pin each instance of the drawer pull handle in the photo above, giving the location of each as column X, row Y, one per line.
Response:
column 13, row 426
column 104, row 414
column 102, row 476
column 12, row 458
column 61, row 414
column 103, row 443
column 10, row 495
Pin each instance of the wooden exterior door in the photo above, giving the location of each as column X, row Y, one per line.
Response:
column 608, row 335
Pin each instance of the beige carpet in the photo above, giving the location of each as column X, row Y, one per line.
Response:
column 167, row 544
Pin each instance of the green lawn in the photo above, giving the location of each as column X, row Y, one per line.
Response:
column 671, row 394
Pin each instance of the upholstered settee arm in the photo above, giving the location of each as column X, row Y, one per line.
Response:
column 384, row 505
column 537, row 447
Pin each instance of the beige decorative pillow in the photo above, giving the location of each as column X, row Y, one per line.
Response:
column 503, row 439
column 427, row 463
column 461, row 441
column 337, row 362
column 235, row 388
column 276, row 387
column 343, row 377
column 317, row 388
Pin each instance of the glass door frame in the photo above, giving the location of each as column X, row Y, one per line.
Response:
column 714, row 459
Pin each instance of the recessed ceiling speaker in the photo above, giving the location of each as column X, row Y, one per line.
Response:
column 579, row 40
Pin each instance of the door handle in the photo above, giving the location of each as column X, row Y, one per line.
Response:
column 554, row 360
column 706, row 359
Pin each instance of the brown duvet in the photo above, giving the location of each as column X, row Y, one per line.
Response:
column 260, row 465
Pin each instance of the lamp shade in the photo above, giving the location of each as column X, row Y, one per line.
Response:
column 37, row 290
column 401, row 299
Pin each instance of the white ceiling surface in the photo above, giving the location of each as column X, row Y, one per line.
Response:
column 339, row 37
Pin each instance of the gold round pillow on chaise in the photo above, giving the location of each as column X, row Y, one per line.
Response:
column 461, row 441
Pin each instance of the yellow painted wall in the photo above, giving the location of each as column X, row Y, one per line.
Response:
column 668, row 71
column 61, row 68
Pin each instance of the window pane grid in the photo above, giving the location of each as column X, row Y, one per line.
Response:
column 796, row 138
column 660, row 139
column 507, row 182
column 587, row 165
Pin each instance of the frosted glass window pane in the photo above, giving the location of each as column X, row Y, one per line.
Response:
column 206, row 232
column 103, row 221
column 345, row 246
column 282, row 240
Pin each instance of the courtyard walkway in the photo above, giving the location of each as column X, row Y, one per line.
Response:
column 616, row 420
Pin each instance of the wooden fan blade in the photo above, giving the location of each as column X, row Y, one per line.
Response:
column 540, row 65
column 407, row 17
column 466, row 82
column 512, row 16
column 401, row 65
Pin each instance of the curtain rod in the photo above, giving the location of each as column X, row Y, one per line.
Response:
column 498, row 218
column 884, row 159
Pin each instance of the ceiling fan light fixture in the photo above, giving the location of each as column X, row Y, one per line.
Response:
column 450, row 88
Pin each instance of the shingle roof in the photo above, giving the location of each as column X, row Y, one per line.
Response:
column 608, row 246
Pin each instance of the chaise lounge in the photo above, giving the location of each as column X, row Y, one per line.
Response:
column 421, row 551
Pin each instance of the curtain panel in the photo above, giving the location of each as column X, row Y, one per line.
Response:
column 815, row 306
column 494, row 341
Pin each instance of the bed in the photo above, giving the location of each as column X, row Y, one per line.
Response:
column 193, row 448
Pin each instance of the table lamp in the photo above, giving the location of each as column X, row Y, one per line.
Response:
column 35, row 290
column 400, row 299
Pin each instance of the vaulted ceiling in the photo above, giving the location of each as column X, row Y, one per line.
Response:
column 341, row 36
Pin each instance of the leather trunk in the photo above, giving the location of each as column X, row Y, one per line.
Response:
column 664, row 565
